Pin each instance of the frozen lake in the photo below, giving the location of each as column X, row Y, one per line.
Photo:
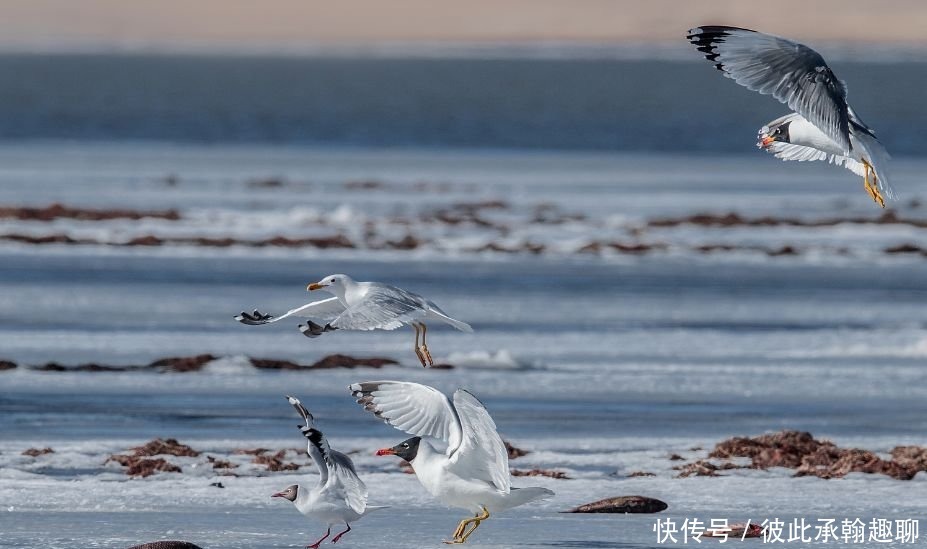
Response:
column 600, row 362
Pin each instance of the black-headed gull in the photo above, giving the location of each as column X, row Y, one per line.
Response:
column 823, row 126
column 340, row 497
column 473, row 472
column 364, row 306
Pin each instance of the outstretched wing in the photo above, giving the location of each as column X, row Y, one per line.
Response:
column 317, row 447
column 417, row 409
column 481, row 453
column 336, row 470
column 382, row 307
column 791, row 72
column 324, row 310
column 791, row 151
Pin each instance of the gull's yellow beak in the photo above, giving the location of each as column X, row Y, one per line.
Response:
column 767, row 141
column 314, row 286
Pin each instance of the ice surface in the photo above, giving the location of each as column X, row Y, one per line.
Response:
column 599, row 365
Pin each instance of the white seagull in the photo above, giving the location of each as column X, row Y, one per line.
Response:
column 340, row 497
column 823, row 126
column 364, row 306
column 473, row 472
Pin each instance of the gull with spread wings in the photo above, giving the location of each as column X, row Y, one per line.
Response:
column 364, row 306
column 823, row 126
column 340, row 496
column 473, row 472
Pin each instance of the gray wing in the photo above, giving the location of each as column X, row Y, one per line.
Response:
column 417, row 409
column 791, row 72
column 324, row 310
column 383, row 307
column 345, row 481
column 336, row 470
column 481, row 453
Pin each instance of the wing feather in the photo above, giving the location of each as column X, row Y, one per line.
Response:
column 800, row 153
column 417, row 409
column 791, row 151
column 482, row 453
column 382, row 307
column 324, row 310
column 336, row 470
column 345, row 479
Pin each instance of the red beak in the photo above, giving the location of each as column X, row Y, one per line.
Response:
column 767, row 141
column 386, row 452
column 278, row 495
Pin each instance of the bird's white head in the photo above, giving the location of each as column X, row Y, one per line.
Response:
column 334, row 284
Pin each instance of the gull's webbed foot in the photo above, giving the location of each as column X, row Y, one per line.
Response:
column 421, row 357
column 311, row 329
column 872, row 187
column 427, row 354
column 254, row 319
column 874, row 193
column 458, row 532
column 877, row 196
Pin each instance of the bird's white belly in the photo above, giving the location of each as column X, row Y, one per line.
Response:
column 802, row 132
column 454, row 491
column 328, row 511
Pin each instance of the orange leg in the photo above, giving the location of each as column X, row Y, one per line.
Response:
column 872, row 186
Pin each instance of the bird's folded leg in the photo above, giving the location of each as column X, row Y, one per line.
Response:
column 418, row 349
column 316, row 544
column 424, row 349
column 461, row 533
column 476, row 523
column 872, row 186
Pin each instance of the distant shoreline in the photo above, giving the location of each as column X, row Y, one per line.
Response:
column 546, row 50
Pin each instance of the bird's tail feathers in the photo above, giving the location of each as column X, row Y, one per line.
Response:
column 521, row 496
column 460, row 325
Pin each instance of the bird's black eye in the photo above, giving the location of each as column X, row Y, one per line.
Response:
column 405, row 445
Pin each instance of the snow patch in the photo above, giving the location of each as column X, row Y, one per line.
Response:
column 500, row 360
column 231, row 365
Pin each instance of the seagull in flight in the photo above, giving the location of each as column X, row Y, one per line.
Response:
column 340, row 497
column 364, row 306
column 473, row 472
column 823, row 126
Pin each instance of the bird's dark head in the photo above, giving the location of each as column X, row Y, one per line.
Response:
column 406, row 449
column 774, row 132
column 289, row 493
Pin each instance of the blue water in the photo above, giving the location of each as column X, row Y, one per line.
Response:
column 516, row 103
